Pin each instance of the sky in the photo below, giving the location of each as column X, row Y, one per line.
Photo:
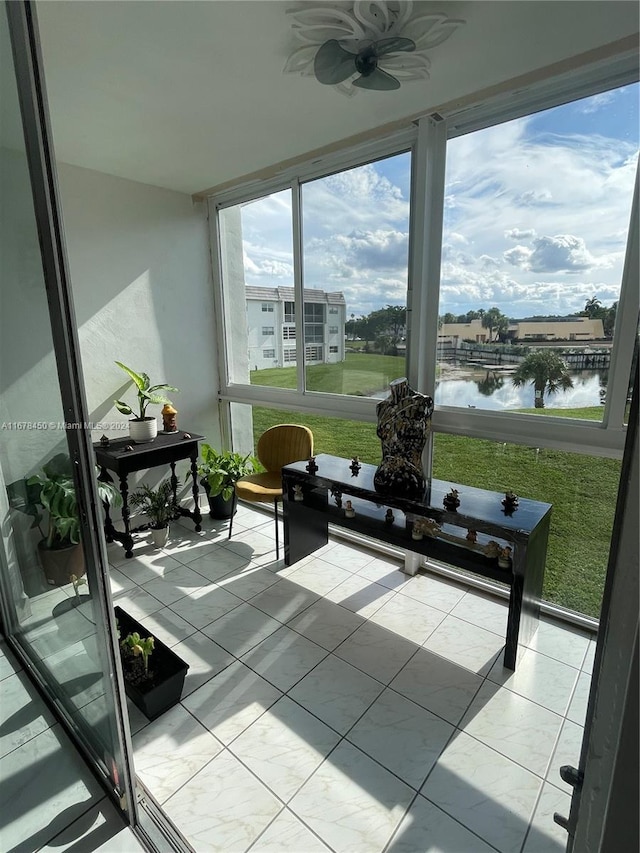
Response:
column 536, row 218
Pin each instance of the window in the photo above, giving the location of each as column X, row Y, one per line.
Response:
column 313, row 353
column 268, row 353
column 289, row 333
column 530, row 278
column 313, row 333
column 355, row 235
column 256, row 269
column 535, row 222
column 267, row 306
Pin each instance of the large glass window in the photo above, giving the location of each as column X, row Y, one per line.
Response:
column 535, row 227
column 526, row 319
column 355, row 259
column 256, row 249
column 581, row 488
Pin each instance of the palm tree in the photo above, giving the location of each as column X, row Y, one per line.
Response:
column 547, row 371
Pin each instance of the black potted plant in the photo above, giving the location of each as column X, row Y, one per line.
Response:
column 157, row 505
column 153, row 673
column 219, row 472
column 60, row 550
column 143, row 427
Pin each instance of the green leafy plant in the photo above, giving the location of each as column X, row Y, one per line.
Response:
column 157, row 504
column 55, row 492
column 147, row 393
column 140, row 646
column 221, row 470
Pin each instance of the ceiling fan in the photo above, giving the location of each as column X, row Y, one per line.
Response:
column 333, row 63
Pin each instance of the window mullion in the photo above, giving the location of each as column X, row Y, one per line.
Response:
column 298, row 284
column 626, row 327
column 427, row 203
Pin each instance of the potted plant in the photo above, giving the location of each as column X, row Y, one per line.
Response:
column 143, row 427
column 153, row 673
column 219, row 472
column 60, row 550
column 158, row 506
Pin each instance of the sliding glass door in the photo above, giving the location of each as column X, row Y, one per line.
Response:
column 55, row 603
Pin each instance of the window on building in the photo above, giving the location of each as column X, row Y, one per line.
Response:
column 289, row 333
column 267, row 306
column 289, row 355
column 333, row 330
column 313, row 353
column 268, row 331
column 333, row 309
column 313, row 333
column 268, row 353
column 333, row 350
column 289, row 312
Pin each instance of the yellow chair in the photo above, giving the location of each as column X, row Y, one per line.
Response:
column 280, row 445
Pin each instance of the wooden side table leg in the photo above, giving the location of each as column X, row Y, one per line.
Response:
column 109, row 529
column 197, row 516
column 127, row 538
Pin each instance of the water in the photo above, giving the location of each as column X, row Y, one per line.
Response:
column 500, row 394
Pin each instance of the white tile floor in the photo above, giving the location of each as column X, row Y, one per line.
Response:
column 50, row 799
column 338, row 705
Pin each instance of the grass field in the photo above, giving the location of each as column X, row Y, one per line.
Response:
column 582, row 489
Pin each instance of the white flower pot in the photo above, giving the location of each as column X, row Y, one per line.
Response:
column 160, row 536
column 141, row 431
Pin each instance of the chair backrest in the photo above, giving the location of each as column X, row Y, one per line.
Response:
column 284, row 443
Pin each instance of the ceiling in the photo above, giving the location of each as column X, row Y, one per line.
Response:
column 190, row 95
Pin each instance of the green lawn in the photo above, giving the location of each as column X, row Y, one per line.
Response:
column 582, row 489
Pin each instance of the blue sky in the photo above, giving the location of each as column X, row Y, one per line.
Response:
column 536, row 218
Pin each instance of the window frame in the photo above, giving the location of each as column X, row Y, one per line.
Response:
column 427, row 141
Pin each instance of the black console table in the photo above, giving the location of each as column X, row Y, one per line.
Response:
column 314, row 499
column 166, row 449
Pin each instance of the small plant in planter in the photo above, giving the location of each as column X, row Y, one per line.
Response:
column 143, row 427
column 219, row 472
column 153, row 673
column 60, row 551
column 139, row 647
column 157, row 505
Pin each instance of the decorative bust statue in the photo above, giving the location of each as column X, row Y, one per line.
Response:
column 403, row 421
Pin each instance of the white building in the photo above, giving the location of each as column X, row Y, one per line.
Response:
column 272, row 332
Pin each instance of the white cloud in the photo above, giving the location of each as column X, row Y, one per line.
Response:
column 520, row 233
column 561, row 253
column 519, row 256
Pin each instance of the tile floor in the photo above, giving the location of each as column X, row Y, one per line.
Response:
column 339, row 705
column 50, row 799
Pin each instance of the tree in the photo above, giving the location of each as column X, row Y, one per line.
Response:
column 386, row 328
column 495, row 320
column 546, row 370
column 593, row 308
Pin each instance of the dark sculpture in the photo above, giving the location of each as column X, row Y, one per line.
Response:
column 403, row 421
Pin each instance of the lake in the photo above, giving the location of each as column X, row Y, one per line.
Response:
column 497, row 392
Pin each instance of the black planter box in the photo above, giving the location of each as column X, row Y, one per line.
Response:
column 167, row 672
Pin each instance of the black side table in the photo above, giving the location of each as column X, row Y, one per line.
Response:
column 166, row 449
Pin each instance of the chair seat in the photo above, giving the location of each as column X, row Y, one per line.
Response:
column 266, row 486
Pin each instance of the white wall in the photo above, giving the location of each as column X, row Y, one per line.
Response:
column 141, row 282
